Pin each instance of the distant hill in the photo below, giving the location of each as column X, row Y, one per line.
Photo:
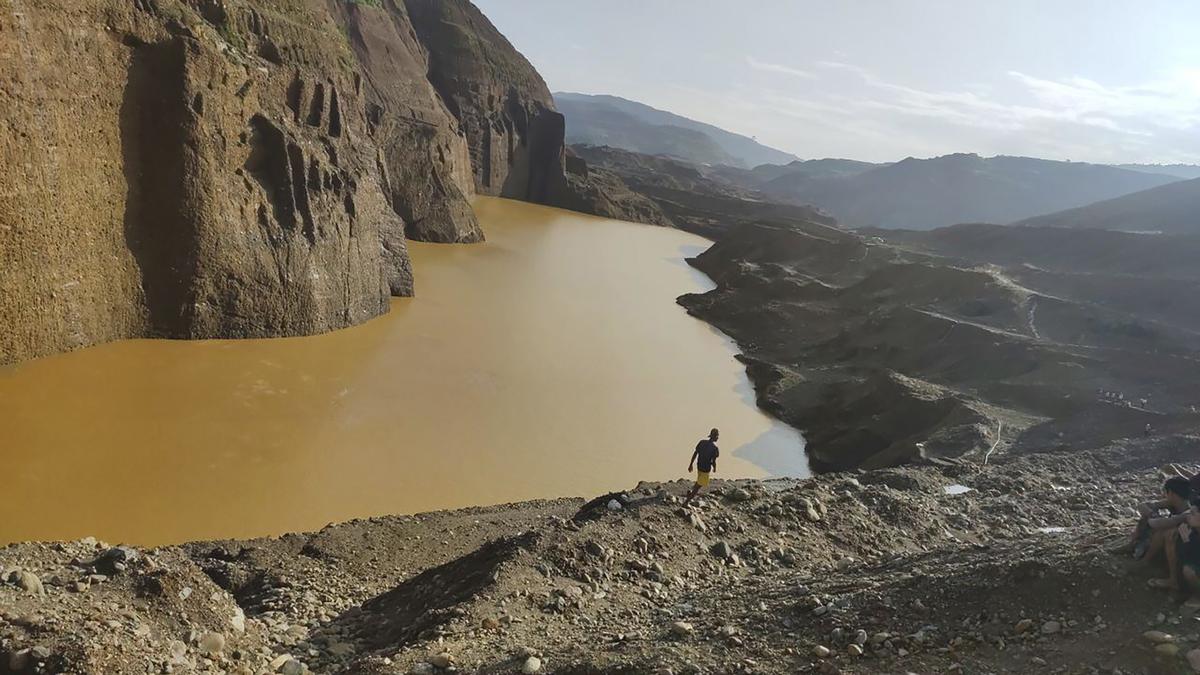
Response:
column 1172, row 208
column 810, row 168
column 922, row 194
column 1185, row 171
column 613, row 121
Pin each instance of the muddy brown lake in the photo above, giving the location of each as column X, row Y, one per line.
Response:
column 550, row 361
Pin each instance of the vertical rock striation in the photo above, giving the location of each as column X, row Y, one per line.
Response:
column 515, row 135
column 227, row 168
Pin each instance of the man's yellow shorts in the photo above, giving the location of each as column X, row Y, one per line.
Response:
column 702, row 478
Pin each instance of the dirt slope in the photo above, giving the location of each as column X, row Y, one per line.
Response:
column 887, row 570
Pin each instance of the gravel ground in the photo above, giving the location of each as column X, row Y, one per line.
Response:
column 884, row 571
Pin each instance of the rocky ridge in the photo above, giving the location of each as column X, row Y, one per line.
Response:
column 954, row 567
column 685, row 196
column 957, row 341
column 222, row 168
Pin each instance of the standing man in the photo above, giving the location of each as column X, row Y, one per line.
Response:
column 707, row 454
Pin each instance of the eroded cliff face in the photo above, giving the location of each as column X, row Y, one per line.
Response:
column 516, row 137
column 226, row 168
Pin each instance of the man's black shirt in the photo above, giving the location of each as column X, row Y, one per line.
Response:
column 706, row 454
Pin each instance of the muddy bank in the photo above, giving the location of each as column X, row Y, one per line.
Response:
column 893, row 570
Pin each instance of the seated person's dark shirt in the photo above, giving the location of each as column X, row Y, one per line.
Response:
column 1189, row 551
column 706, row 454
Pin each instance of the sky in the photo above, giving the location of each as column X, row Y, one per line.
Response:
column 879, row 80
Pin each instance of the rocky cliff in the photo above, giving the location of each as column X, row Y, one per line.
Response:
column 222, row 168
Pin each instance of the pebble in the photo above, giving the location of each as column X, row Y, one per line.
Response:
column 532, row 665
column 614, row 505
column 740, row 495
column 1023, row 626
column 682, row 628
column 211, row 643
column 443, row 660
column 29, row 582
column 18, row 661
column 114, row 560
column 860, row 638
column 293, row 667
column 722, row 549
column 854, row 650
column 1167, row 648
column 821, row 651
column 1193, row 659
column 1158, row 637
column 1051, row 627
column 421, row 668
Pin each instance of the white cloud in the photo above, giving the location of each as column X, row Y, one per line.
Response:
column 1168, row 102
column 778, row 68
column 1071, row 118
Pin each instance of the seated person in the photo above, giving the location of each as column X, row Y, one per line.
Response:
column 1150, row 536
column 1183, row 555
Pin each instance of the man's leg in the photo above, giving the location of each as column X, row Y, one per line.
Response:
column 1159, row 540
column 1190, row 576
column 1171, row 549
column 691, row 494
column 1141, row 529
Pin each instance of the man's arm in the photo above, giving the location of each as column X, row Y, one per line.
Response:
column 1169, row 521
column 714, row 462
column 692, row 463
column 1150, row 508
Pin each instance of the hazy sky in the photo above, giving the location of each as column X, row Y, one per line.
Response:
column 1089, row 80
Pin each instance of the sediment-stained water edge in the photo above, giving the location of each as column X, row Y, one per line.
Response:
column 550, row 361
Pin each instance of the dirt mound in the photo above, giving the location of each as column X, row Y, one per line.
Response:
column 998, row 567
column 401, row 615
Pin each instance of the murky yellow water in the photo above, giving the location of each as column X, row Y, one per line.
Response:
column 550, row 361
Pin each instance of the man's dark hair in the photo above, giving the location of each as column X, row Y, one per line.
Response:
column 1179, row 485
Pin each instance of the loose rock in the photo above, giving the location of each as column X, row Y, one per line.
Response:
column 211, row 643
column 682, row 628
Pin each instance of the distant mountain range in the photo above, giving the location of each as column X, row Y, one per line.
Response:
column 610, row 120
column 917, row 194
column 1185, row 171
column 923, row 194
column 1171, row 209
column 764, row 174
